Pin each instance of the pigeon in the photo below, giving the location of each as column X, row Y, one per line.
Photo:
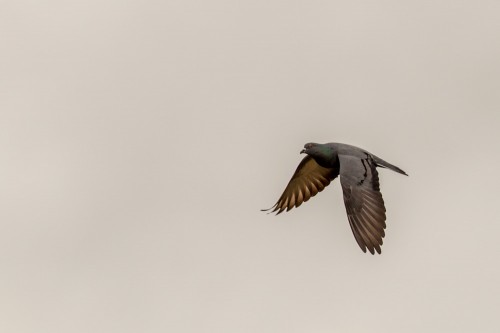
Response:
column 357, row 169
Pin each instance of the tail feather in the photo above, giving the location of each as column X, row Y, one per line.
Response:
column 381, row 163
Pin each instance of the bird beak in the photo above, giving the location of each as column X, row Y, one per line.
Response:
column 303, row 151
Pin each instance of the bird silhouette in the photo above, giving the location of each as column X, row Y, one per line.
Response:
column 360, row 185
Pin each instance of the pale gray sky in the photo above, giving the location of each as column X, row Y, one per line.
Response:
column 139, row 139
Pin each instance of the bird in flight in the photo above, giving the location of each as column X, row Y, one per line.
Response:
column 360, row 185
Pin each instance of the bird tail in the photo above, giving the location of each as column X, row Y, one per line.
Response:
column 381, row 163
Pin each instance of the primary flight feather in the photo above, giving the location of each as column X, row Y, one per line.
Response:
column 360, row 185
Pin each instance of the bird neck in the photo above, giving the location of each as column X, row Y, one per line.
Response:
column 326, row 158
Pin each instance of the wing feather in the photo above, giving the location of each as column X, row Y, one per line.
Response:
column 308, row 180
column 363, row 201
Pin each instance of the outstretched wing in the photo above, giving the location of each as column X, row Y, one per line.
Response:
column 309, row 179
column 363, row 201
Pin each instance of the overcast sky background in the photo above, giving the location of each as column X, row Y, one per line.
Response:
column 140, row 139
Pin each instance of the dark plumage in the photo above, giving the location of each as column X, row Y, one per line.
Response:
column 360, row 184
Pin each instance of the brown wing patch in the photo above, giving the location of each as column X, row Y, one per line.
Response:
column 363, row 201
column 308, row 180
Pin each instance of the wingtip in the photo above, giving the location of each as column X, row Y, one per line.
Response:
column 374, row 250
column 269, row 211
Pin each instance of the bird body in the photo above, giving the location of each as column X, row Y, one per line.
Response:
column 360, row 185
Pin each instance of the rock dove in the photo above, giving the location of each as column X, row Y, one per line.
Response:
column 360, row 185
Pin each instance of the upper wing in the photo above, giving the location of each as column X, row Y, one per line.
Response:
column 309, row 179
column 363, row 201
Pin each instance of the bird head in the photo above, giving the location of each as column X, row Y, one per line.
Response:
column 323, row 154
column 309, row 148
